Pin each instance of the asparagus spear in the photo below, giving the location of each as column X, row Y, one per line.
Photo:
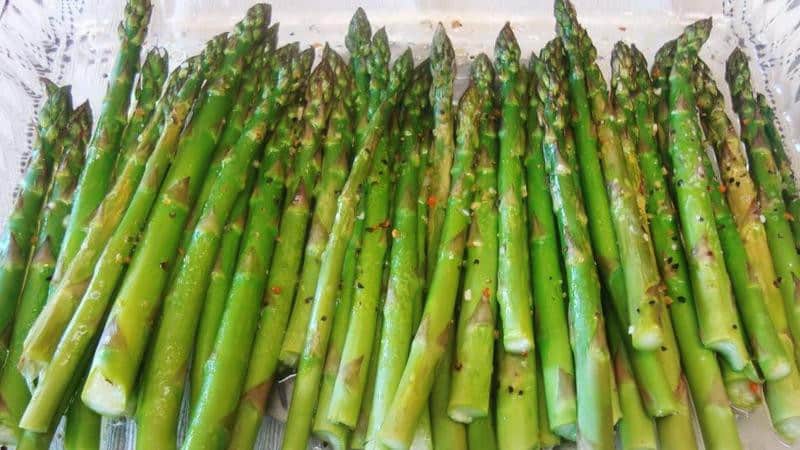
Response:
column 256, row 63
column 778, row 232
column 82, row 427
column 14, row 394
column 717, row 422
column 767, row 180
column 152, row 76
column 340, row 133
column 636, row 429
column 600, row 224
column 338, row 435
column 592, row 360
column 513, row 292
column 222, row 386
column 447, row 433
column 316, row 342
column 82, row 328
column 101, row 154
column 432, row 336
column 64, row 296
column 358, row 43
column 549, row 297
column 517, row 400
column 351, row 379
column 547, row 438
column 642, row 280
column 791, row 193
column 719, row 328
column 405, row 282
column 252, row 402
column 480, row 433
column 472, row 377
column 632, row 97
column 162, row 380
column 660, row 400
column 745, row 276
column 217, row 293
column 116, row 362
column 17, row 237
column 443, row 148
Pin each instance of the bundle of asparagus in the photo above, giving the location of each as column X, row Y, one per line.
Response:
column 264, row 218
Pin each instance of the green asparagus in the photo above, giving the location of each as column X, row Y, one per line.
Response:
column 82, row 328
column 14, row 393
column 312, row 360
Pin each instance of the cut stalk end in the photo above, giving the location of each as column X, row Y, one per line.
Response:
column 517, row 345
column 466, row 413
column 103, row 396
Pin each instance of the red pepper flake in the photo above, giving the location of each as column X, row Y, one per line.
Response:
column 486, row 292
column 723, row 188
column 276, row 290
column 431, row 201
column 755, row 388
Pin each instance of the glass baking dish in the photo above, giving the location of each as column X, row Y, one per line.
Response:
column 74, row 41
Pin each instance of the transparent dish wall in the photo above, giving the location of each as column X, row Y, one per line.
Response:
column 74, row 41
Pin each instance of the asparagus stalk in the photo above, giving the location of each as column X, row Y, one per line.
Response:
column 355, row 362
column 17, row 239
column 778, row 232
column 791, row 193
column 513, row 291
column 552, row 334
column 110, row 382
column 642, row 280
column 750, row 296
column 632, row 98
column 590, row 175
column 592, row 360
column 405, row 282
column 336, row 434
column 547, row 438
column 256, row 66
column 432, row 336
column 472, row 377
column 358, row 43
column 718, row 321
column 82, row 427
column 517, row 400
column 152, row 76
column 101, row 154
column 660, row 400
column 81, row 330
column 446, row 432
column 340, row 133
column 480, row 433
column 312, row 360
column 636, row 429
column 717, row 422
column 767, row 180
column 442, row 150
column 318, row 236
column 219, row 283
column 65, row 295
column 14, row 393
column 359, row 439
column 162, row 380
column 254, row 393
column 222, row 387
